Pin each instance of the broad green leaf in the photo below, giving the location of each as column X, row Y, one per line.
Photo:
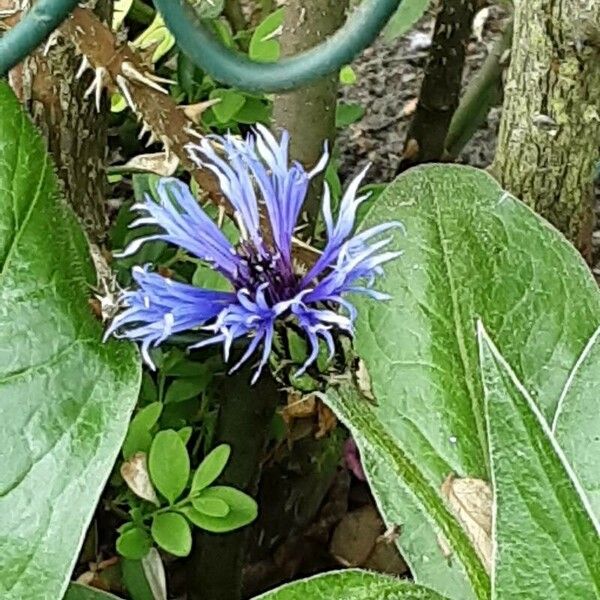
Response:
column 407, row 15
column 264, row 45
column 211, row 467
column 242, row 510
column 65, row 397
column 230, row 102
column 351, row 584
column 172, row 533
column 576, row 421
column 547, row 543
column 134, row 543
column 469, row 250
column 393, row 474
column 184, row 389
column 78, row 591
column 169, row 464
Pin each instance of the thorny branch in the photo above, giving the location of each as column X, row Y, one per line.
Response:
column 117, row 67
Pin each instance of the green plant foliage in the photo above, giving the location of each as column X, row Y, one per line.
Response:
column 242, row 510
column 395, row 477
column 542, row 516
column 210, row 468
column 172, row 533
column 407, row 15
column 264, row 46
column 77, row 591
column 157, row 37
column 470, row 250
column 169, row 464
column 65, row 397
column 134, row 543
column 358, row 585
column 576, row 423
column 346, row 114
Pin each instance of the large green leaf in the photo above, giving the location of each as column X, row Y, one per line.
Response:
column 358, row 585
column 65, row 397
column 576, row 421
column 398, row 479
column 547, row 543
column 469, row 250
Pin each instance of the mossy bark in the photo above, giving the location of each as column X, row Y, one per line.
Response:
column 549, row 137
column 309, row 113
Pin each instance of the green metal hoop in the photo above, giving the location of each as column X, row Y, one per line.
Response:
column 43, row 18
column 237, row 70
column 207, row 52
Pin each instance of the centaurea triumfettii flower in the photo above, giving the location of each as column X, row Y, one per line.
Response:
column 266, row 287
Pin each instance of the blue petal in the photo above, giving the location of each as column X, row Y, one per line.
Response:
column 186, row 225
column 234, row 180
column 161, row 307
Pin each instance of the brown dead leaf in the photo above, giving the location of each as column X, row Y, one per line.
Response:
column 327, row 420
column 471, row 502
column 299, row 406
column 355, row 537
column 135, row 473
column 161, row 163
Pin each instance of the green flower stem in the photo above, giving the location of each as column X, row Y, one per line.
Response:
column 245, row 414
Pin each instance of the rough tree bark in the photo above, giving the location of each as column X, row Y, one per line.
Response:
column 309, row 113
column 76, row 133
column 550, row 131
column 442, row 83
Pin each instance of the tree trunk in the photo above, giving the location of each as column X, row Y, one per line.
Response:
column 76, row 133
column 442, row 83
column 309, row 113
column 550, row 131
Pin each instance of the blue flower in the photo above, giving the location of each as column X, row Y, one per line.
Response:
column 267, row 288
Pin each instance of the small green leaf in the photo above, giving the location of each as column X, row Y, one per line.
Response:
column 134, row 543
column 145, row 579
column 213, row 507
column 242, row 510
column 148, row 416
column 210, row 468
column 346, row 114
column 169, row 464
column 185, row 433
column 78, row 591
column 208, row 9
column 351, row 585
column 148, row 392
column 298, row 347
column 185, row 389
column 407, row 15
column 208, row 278
column 172, row 533
column 264, row 47
column 348, row 76
column 138, row 437
column 121, row 9
column 156, row 35
column 230, row 103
